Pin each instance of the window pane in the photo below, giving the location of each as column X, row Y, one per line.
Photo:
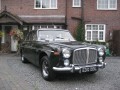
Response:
column 53, row 3
column 101, row 27
column 50, row 26
column 88, row 35
column 43, row 26
column 103, row 4
column 100, row 35
column 112, row 3
column 76, row 2
column 45, row 3
column 95, row 27
column 88, row 27
column 38, row 3
column 36, row 27
column 95, row 35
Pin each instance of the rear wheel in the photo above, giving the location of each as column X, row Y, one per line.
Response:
column 46, row 69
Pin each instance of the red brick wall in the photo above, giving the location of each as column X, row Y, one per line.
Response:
column 26, row 7
column 73, row 12
column 111, row 18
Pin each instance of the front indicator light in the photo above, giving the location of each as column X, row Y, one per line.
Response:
column 56, row 53
column 100, row 59
column 66, row 62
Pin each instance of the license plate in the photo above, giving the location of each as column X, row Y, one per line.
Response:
column 88, row 69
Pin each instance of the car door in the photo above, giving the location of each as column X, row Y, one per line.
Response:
column 25, row 47
column 32, row 47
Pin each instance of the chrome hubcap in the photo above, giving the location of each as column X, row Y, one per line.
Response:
column 22, row 58
column 45, row 69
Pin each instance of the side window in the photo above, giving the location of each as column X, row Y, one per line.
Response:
column 34, row 36
column 27, row 38
column 31, row 37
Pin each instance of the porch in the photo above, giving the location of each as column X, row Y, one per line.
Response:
column 25, row 23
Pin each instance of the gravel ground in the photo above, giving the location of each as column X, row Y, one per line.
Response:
column 14, row 75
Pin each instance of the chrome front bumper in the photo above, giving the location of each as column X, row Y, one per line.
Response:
column 74, row 68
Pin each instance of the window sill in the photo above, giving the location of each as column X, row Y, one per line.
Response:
column 95, row 41
column 108, row 9
column 76, row 6
column 46, row 8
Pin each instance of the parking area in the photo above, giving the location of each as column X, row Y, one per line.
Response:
column 14, row 75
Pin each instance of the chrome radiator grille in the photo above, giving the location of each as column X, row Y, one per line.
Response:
column 84, row 56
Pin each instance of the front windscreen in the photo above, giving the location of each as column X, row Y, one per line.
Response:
column 55, row 36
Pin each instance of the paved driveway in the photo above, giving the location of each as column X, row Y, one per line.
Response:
column 14, row 75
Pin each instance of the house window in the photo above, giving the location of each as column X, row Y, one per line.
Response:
column 76, row 3
column 36, row 27
column 45, row 4
column 107, row 4
column 95, row 32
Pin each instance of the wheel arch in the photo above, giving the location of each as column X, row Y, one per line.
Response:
column 41, row 55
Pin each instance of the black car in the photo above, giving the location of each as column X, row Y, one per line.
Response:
column 55, row 50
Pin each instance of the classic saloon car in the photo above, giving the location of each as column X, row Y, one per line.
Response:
column 55, row 50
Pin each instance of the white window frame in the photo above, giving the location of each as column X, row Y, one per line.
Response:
column 73, row 3
column 47, row 27
column 45, row 8
column 104, row 32
column 108, row 6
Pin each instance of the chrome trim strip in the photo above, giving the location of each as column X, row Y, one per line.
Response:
column 87, row 55
column 76, row 68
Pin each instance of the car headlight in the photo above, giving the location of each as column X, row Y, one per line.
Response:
column 101, row 52
column 66, row 52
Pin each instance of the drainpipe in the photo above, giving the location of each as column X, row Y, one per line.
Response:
column 82, row 10
column 82, row 18
column 66, row 14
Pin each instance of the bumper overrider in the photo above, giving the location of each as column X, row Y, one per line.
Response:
column 87, row 68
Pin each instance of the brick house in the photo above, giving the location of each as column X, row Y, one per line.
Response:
column 101, row 17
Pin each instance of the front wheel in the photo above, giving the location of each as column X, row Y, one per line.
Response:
column 46, row 69
column 23, row 59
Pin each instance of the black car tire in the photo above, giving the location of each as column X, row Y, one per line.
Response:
column 46, row 69
column 23, row 59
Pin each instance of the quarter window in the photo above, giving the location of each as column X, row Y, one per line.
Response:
column 45, row 4
column 95, row 32
column 76, row 3
column 107, row 4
